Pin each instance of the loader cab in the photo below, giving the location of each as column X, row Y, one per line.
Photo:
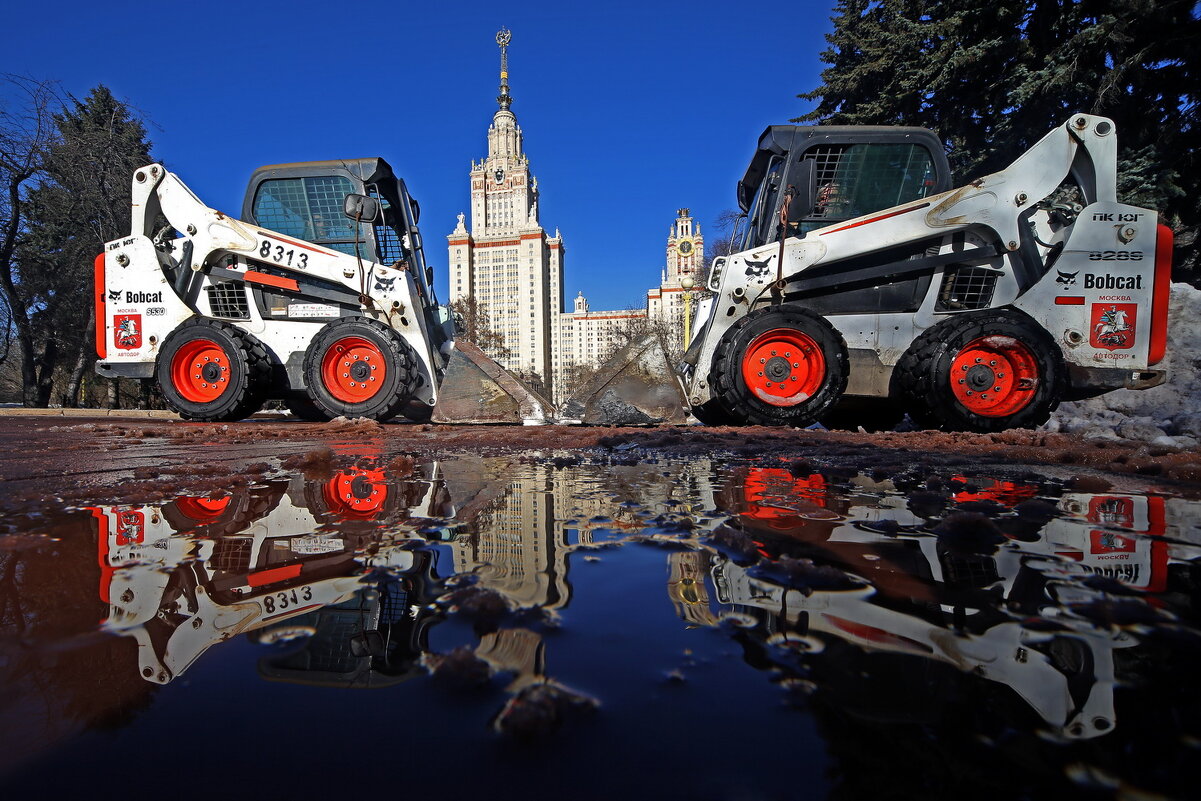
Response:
column 305, row 200
column 835, row 173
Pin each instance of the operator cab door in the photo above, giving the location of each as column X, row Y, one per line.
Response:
column 829, row 174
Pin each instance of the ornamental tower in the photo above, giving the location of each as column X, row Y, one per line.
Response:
column 685, row 255
column 506, row 260
column 685, row 248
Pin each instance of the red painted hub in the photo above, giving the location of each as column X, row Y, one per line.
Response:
column 353, row 369
column 994, row 376
column 357, row 493
column 200, row 371
column 201, row 509
column 783, row 367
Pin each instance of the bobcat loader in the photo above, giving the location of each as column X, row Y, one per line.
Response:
column 863, row 282
column 319, row 297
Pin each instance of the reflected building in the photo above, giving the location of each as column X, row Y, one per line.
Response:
column 521, row 540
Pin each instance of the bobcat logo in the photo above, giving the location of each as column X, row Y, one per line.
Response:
column 384, row 284
column 1066, row 279
column 758, row 269
column 114, row 294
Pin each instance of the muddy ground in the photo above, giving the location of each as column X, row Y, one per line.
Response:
column 79, row 460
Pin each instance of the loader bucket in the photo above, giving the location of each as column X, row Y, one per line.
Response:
column 478, row 390
column 638, row 386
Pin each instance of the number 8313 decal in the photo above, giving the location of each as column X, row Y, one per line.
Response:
column 289, row 257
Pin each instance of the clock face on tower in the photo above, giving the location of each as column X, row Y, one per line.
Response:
column 499, row 175
column 684, row 247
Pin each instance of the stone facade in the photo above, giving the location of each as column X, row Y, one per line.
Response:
column 506, row 260
column 513, row 268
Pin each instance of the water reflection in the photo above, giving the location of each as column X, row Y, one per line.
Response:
column 865, row 596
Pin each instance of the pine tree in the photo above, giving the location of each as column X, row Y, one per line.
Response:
column 993, row 77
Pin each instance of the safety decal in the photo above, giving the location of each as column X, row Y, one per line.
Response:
column 127, row 331
column 1113, row 325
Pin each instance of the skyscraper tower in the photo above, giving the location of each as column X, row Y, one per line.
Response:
column 506, row 260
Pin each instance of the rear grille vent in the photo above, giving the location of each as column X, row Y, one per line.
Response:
column 965, row 288
column 228, row 300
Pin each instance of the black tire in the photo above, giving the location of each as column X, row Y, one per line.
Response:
column 212, row 371
column 870, row 414
column 350, row 389
column 711, row 415
column 302, row 406
column 981, row 371
column 768, row 336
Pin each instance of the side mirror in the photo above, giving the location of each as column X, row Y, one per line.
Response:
column 361, row 208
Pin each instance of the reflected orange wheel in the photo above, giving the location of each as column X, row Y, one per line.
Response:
column 356, row 494
column 202, row 509
column 353, row 369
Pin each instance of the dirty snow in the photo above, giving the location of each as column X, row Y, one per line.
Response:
column 1169, row 414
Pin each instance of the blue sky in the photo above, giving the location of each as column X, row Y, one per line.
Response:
column 630, row 109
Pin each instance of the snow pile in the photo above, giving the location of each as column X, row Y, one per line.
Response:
column 1169, row 414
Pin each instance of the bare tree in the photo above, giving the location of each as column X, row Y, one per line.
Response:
column 631, row 329
column 27, row 131
column 726, row 226
column 473, row 323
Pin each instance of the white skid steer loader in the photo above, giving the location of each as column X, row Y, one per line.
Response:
column 321, row 297
column 864, row 287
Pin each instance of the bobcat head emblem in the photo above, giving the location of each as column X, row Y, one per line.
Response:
column 757, row 269
column 384, row 284
column 114, row 294
column 1066, row 279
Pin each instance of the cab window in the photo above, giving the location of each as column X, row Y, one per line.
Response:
column 854, row 180
column 310, row 208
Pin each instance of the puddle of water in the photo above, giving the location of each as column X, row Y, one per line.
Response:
column 713, row 629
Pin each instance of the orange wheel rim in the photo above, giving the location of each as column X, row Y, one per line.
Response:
column 994, row 376
column 200, row 371
column 356, row 494
column 783, row 367
column 201, row 509
column 353, row 369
